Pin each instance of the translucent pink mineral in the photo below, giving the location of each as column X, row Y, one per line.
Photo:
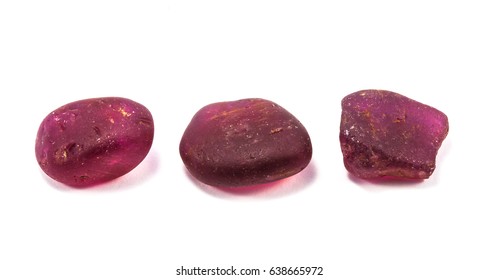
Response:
column 244, row 142
column 92, row 141
column 384, row 133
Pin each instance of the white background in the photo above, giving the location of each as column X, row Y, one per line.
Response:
column 175, row 57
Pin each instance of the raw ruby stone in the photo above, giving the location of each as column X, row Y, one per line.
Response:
column 244, row 142
column 92, row 141
column 387, row 134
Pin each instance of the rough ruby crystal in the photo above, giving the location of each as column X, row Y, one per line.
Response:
column 387, row 134
column 95, row 140
column 244, row 142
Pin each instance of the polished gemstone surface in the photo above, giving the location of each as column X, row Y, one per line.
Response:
column 92, row 141
column 244, row 142
column 383, row 133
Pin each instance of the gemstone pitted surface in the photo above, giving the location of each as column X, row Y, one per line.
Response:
column 92, row 141
column 244, row 142
column 383, row 133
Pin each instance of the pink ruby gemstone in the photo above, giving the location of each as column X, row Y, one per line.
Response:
column 92, row 141
column 384, row 133
column 244, row 142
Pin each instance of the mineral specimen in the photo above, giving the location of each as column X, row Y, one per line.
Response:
column 91, row 141
column 244, row 142
column 383, row 133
